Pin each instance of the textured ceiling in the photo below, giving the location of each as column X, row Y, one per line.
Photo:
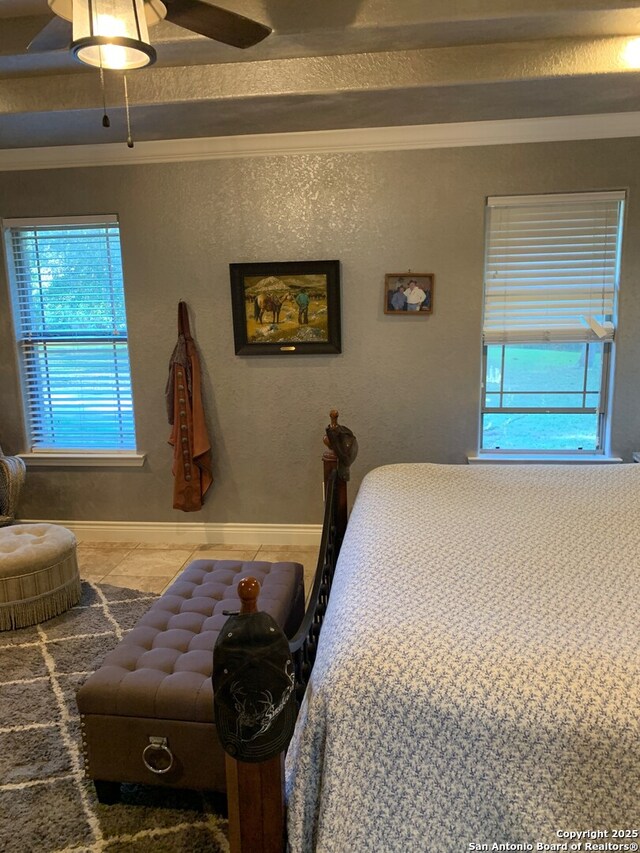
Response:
column 331, row 64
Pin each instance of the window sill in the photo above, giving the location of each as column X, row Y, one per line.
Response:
column 83, row 460
column 542, row 459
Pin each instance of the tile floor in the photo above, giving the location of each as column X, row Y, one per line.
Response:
column 152, row 568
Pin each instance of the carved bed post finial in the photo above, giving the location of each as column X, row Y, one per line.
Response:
column 329, row 455
column 331, row 462
column 329, row 458
column 248, row 592
column 342, row 445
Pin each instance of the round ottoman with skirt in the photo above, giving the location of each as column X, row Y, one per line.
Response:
column 38, row 574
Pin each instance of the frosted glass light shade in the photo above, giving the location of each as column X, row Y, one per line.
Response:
column 111, row 33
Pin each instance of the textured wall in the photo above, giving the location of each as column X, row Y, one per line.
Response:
column 408, row 387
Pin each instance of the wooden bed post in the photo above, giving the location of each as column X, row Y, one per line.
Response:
column 255, row 791
column 330, row 463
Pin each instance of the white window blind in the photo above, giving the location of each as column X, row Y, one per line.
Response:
column 552, row 265
column 71, row 332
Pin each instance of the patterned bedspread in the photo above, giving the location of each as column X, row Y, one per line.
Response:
column 478, row 677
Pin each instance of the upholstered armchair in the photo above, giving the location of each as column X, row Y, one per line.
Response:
column 12, row 473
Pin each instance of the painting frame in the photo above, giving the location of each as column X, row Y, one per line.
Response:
column 423, row 280
column 285, row 281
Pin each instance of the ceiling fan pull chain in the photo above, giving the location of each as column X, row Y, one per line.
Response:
column 105, row 117
column 126, row 106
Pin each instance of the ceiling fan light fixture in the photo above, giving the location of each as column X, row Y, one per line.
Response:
column 111, row 34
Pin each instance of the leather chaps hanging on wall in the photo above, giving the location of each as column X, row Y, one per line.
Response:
column 191, row 447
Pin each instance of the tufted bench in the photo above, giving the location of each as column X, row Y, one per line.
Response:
column 147, row 713
column 39, row 576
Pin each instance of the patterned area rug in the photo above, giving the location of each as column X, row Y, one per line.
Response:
column 46, row 804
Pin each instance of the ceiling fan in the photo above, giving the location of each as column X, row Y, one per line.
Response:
column 114, row 33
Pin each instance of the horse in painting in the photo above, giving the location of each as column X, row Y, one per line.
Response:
column 268, row 302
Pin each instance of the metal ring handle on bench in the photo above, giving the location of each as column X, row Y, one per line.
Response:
column 157, row 743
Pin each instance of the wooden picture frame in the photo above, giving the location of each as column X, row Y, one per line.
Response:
column 288, row 308
column 404, row 282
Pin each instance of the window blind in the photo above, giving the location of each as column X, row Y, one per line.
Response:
column 552, row 266
column 71, row 333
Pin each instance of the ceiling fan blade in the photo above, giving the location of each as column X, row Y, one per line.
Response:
column 215, row 23
column 56, row 35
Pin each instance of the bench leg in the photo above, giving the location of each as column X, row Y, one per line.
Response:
column 108, row 793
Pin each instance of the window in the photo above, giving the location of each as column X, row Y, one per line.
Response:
column 551, row 280
column 71, row 333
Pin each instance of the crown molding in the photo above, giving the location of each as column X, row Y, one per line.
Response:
column 409, row 137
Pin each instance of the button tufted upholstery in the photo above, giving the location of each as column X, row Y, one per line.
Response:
column 161, row 670
column 39, row 576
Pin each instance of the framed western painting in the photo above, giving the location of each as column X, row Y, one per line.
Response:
column 286, row 308
column 408, row 293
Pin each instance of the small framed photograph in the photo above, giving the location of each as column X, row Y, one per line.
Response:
column 286, row 308
column 407, row 293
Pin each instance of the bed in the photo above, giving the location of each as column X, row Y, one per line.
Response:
column 477, row 679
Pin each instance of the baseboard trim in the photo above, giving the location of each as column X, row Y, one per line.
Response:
column 197, row 533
